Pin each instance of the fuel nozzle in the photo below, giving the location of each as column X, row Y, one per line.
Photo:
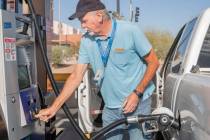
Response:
column 34, row 112
column 161, row 119
column 167, row 118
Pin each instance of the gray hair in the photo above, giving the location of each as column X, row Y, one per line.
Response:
column 106, row 15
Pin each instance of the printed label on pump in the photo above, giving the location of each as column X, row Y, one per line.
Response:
column 10, row 49
column 11, row 5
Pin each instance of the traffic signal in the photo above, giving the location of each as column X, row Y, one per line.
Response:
column 137, row 14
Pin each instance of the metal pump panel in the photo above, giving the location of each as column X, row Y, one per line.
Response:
column 19, row 100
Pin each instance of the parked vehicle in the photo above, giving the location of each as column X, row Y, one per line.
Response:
column 186, row 79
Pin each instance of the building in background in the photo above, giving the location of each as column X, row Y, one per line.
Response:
column 65, row 35
column 65, row 46
column 68, row 35
column 66, row 43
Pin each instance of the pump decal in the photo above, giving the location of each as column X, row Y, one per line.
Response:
column 7, row 25
column 10, row 49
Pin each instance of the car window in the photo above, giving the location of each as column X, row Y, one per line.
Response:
column 204, row 57
column 182, row 46
column 166, row 69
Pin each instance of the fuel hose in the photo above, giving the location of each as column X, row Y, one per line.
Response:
column 50, row 75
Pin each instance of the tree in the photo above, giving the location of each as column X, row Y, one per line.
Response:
column 161, row 42
column 56, row 55
column 74, row 49
column 63, row 53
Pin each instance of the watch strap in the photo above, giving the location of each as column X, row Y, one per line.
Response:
column 139, row 94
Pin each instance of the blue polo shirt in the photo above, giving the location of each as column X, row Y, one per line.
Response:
column 125, row 67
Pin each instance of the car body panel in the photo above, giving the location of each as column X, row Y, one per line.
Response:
column 187, row 90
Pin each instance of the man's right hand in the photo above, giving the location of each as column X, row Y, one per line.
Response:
column 70, row 85
column 45, row 114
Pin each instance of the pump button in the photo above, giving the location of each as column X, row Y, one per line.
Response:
column 29, row 103
column 13, row 100
column 36, row 110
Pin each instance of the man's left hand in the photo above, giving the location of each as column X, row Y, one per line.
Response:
column 130, row 103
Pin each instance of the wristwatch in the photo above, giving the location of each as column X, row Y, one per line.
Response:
column 139, row 94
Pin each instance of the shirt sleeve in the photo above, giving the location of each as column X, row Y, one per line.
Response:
column 141, row 44
column 83, row 53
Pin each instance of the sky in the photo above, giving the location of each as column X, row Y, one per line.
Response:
column 163, row 15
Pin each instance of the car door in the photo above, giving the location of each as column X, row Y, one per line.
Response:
column 192, row 99
column 89, row 104
column 173, row 69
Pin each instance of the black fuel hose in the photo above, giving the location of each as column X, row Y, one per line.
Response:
column 50, row 75
column 162, row 119
column 108, row 128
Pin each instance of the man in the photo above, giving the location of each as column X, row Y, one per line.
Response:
column 124, row 64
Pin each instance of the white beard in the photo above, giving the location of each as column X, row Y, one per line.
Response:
column 89, row 32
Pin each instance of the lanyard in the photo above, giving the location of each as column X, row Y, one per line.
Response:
column 105, row 53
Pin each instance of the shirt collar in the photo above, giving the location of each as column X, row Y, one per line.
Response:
column 109, row 35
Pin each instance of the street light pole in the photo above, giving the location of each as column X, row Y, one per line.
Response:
column 59, row 17
column 131, row 10
column 118, row 7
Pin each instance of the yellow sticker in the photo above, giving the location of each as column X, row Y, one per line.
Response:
column 119, row 50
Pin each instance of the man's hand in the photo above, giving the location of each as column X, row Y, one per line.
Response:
column 71, row 84
column 45, row 114
column 130, row 103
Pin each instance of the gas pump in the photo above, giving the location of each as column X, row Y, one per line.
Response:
column 22, row 50
column 19, row 97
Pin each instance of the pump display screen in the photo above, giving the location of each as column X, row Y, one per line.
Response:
column 23, row 77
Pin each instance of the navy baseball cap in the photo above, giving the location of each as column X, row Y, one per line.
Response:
column 85, row 6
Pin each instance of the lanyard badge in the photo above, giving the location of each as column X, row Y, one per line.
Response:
column 105, row 52
column 99, row 75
